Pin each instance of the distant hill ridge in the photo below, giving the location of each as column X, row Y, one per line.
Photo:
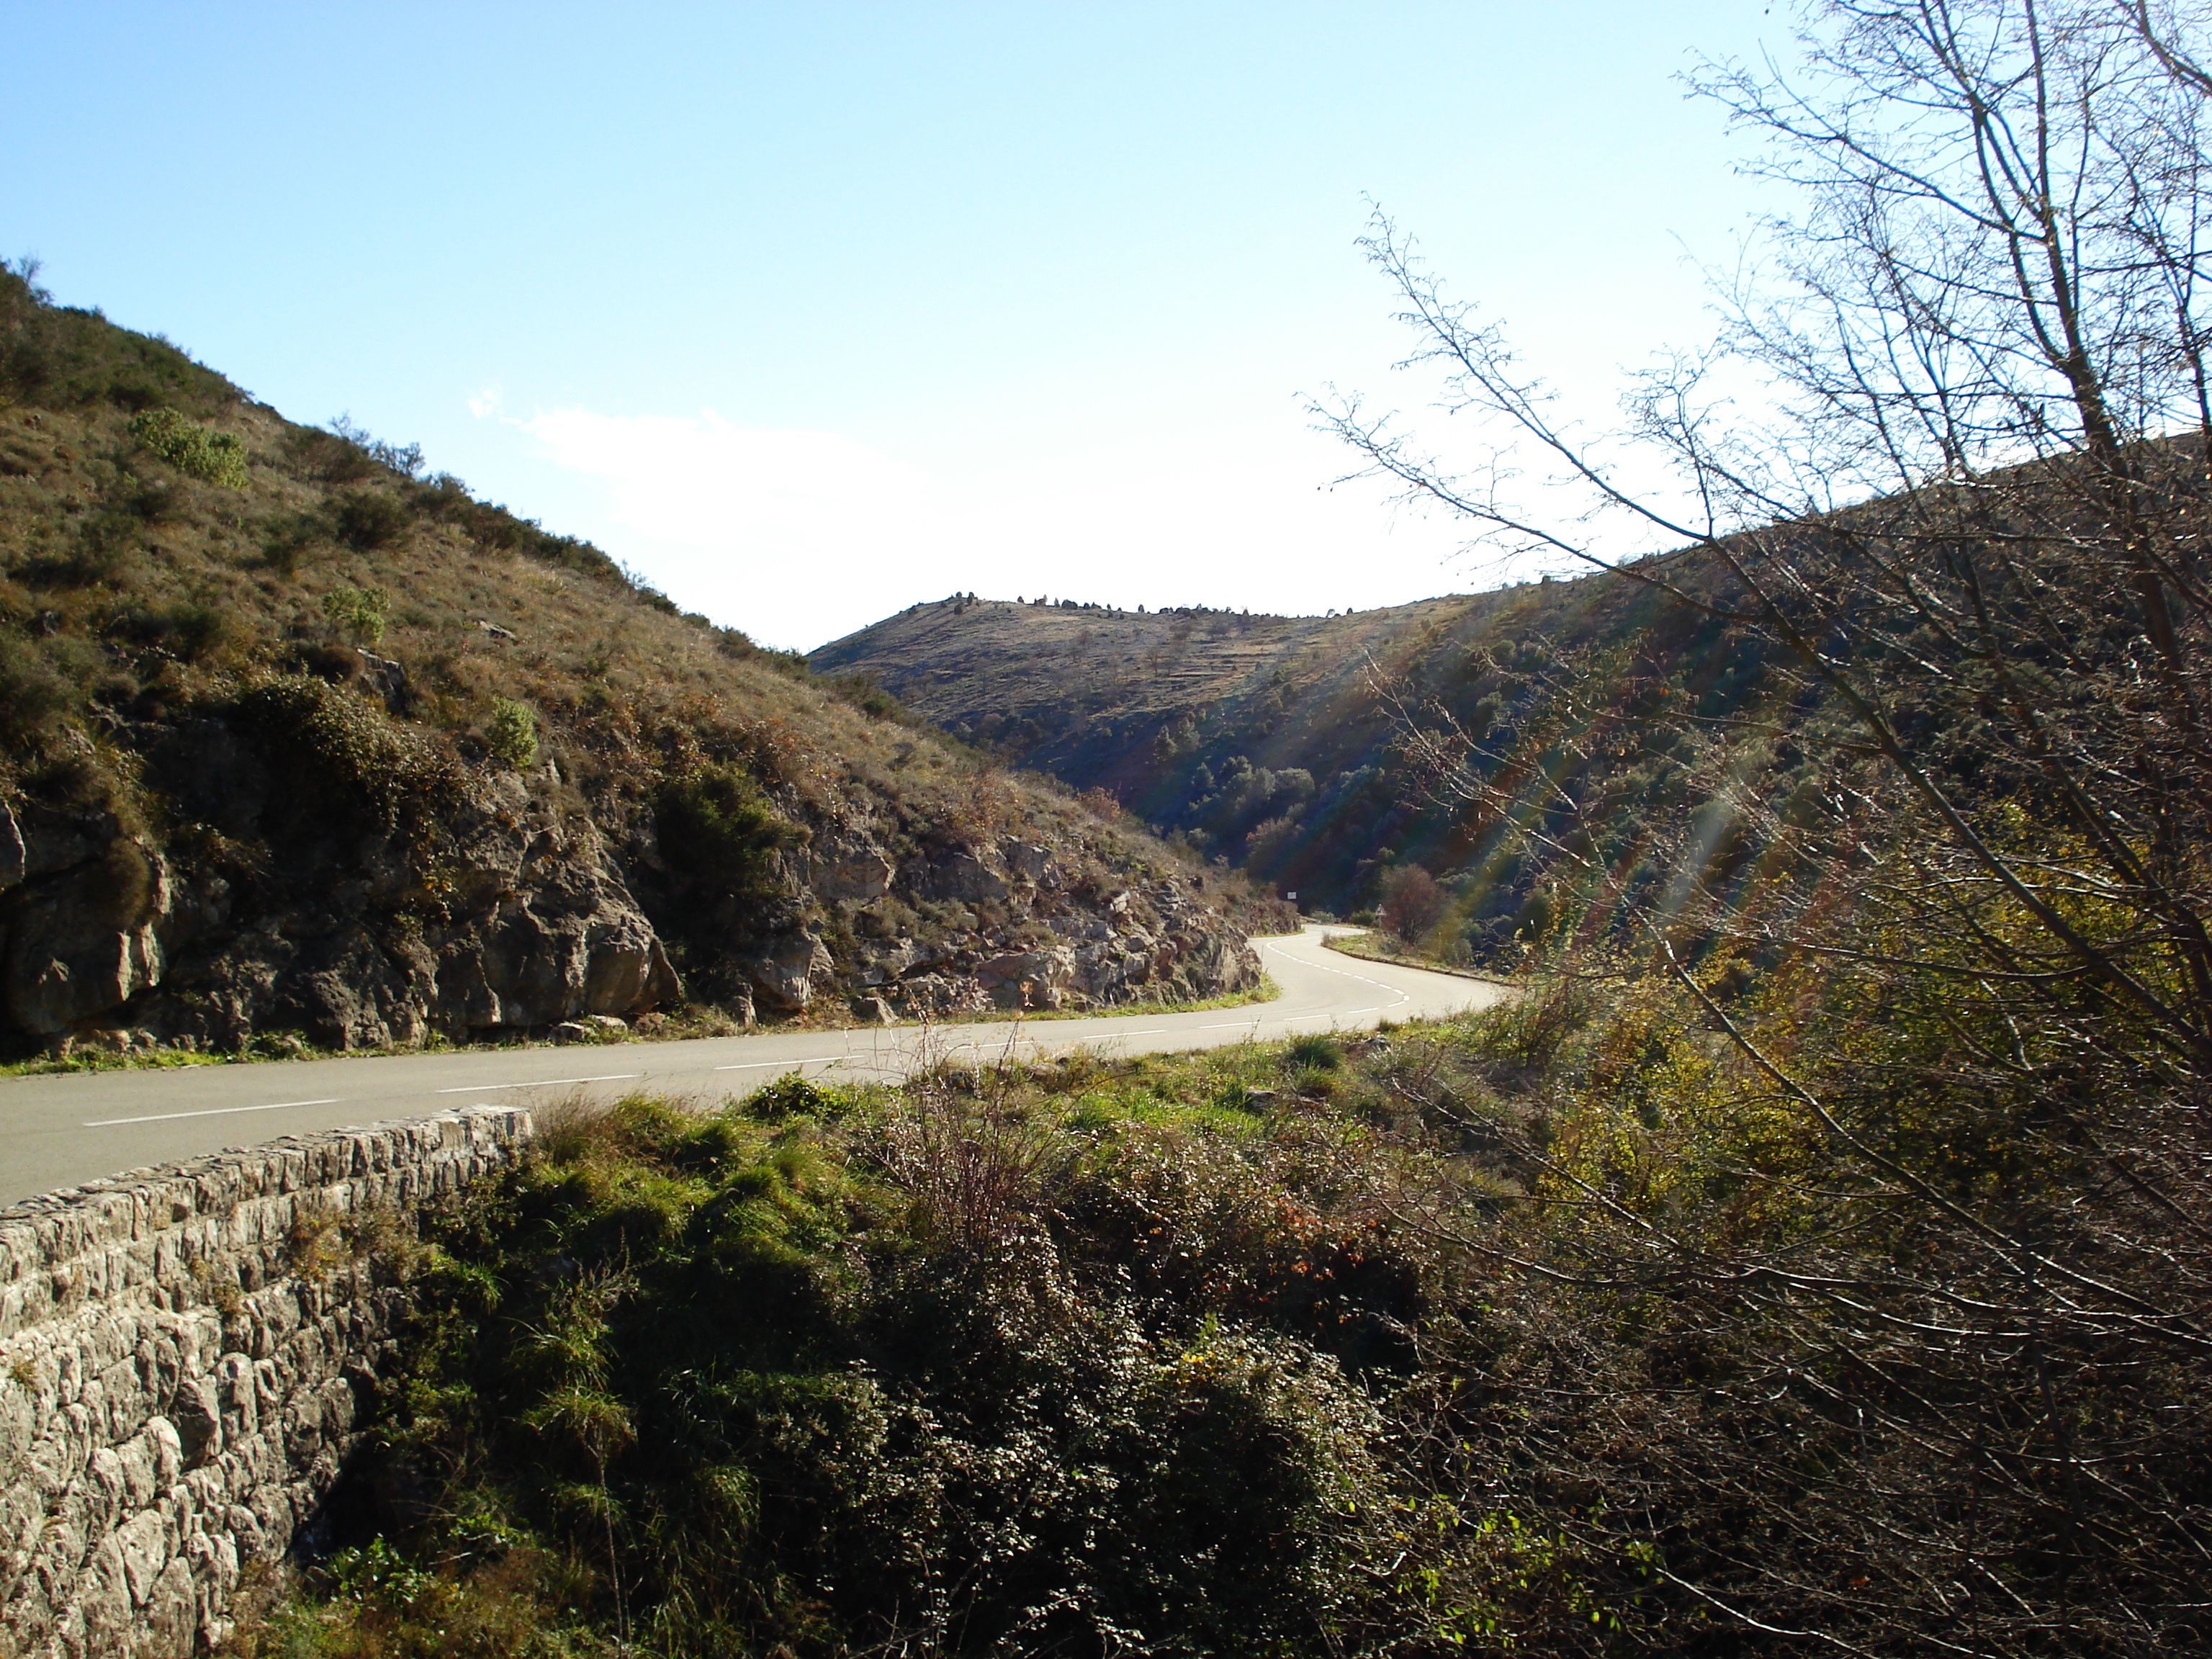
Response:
column 1275, row 742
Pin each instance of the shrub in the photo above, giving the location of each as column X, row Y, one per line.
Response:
column 343, row 748
column 319, row 457
column 366, row 519
column 31, row 694
column 218, row 458
column 357, row 613
column 750, row 1392
column 718, row 829
column 286, row 540
column 1316, row 1051
column 406, row 459
column 512, row 735
column 791, row 1095
column 1412, row 902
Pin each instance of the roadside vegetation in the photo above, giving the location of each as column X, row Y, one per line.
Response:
column 1554, row 1330
column 1852, row 841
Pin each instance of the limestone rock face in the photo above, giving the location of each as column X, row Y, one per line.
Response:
column 957, row 873
column 1028, row 979
column 12, row 850
column 1139, row 944
column 784, row 977
column 857, row 874
column 285, row 908
column 84, row 941
column 528, row 921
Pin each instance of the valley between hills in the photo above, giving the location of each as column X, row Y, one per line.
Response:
column 1787, row 1230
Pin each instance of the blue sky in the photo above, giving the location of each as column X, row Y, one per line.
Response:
column 810, row 310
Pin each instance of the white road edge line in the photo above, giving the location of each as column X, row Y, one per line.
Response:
column 214, row 1111
column 545, row 1083
column 762, row 1065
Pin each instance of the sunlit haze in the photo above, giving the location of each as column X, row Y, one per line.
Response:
column 807, row 312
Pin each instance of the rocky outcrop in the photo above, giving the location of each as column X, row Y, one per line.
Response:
column 1150, row 943
column 784, row 977
column 186, row 1358
column 508, row 912
column 482, row 901
column 85, row 940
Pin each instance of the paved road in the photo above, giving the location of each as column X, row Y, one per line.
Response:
column 59, row 1131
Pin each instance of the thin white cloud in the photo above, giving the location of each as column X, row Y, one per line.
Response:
column 800, row 538
column 751, row 525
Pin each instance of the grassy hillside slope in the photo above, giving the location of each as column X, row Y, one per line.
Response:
column 297, row 737
column 1281, row 743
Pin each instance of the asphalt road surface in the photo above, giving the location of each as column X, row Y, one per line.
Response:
column 63, row 1130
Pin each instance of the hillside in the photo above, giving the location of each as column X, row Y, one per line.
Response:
column 1281, row 743
column 300, row 742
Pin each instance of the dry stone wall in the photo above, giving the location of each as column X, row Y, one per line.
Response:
column 186, row 1356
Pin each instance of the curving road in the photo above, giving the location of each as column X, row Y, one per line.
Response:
column 64, row 1130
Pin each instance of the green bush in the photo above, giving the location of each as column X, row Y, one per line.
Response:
column 366, row 519
column 343, row 753
column 512, row 735
column 717, row 828
column 766, row 1409
column 792, row 1096
column 357, row 613
column 218, row 458
column 32, row 695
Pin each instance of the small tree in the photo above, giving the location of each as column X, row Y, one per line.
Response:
column 357, row 613
column 510, row 736
column 1411, row 903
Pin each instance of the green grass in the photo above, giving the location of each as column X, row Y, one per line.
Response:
column 1370, row 947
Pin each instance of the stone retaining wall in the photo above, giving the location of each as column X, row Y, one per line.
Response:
column 185, row 1354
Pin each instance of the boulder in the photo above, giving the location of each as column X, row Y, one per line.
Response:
column 1028, row 862
column 783, row 976
column 627, row 971
column 389, row 679
column 956, row 873
column 857, row 876
column 346, row 992
column 1028, row 979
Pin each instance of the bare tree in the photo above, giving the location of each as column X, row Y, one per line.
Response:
column 1947, row 457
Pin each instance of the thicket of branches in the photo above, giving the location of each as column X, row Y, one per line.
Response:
column 1945, row 1276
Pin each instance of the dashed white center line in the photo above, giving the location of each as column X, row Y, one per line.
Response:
column 212, row 1111
column 538, row 1083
